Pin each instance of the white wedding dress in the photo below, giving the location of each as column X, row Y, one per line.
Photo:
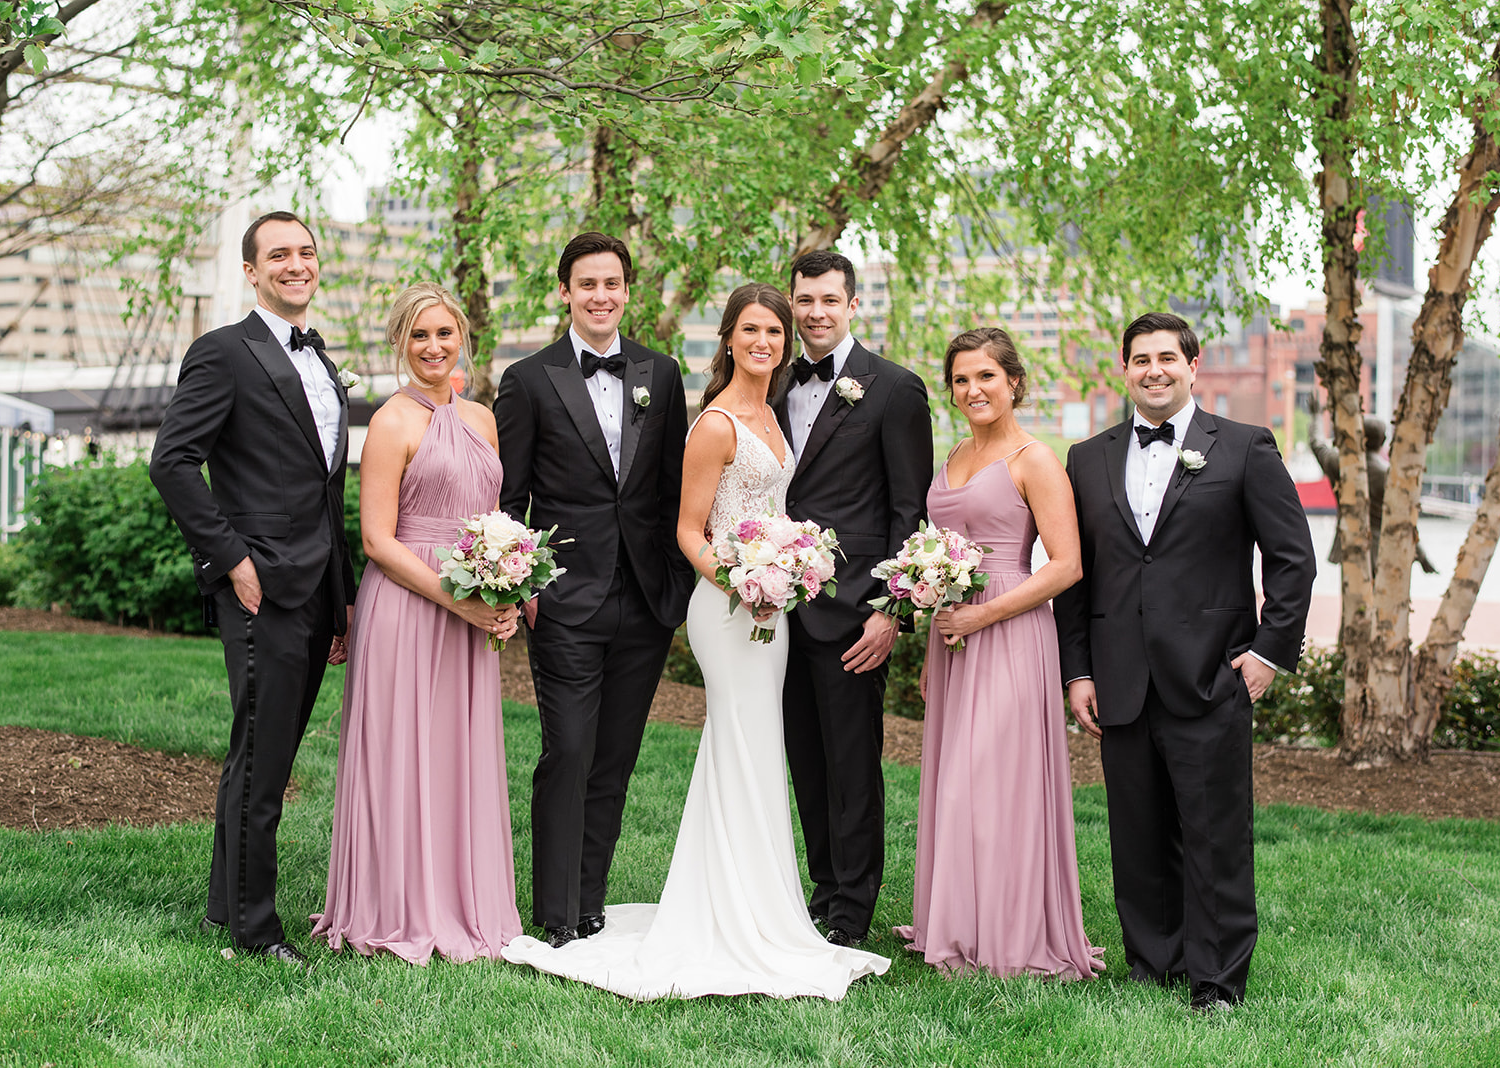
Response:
column 732, row 917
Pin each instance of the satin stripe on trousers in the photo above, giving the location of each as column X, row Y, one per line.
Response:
column 1180, row 830
column 594, row 687
column 835, row 728
column 275, row 662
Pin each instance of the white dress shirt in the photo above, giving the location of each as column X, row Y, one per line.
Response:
column 317, row 384
column 804, row 402
column 606, row 391
column 1149, row 471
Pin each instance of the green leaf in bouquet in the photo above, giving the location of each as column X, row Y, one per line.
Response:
column 491, row 596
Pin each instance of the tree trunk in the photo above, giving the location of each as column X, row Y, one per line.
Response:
column 469, row 274
column 873, row 166
column 1435, row 658
column 1340, row 366
column 1437, row 339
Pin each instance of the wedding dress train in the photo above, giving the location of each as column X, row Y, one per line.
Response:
column 732, row 917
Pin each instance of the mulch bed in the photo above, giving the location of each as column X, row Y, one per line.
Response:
column 56, row 781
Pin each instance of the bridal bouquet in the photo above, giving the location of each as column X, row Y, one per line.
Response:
column 774, row 561
column 936, row 567
column 500, row 559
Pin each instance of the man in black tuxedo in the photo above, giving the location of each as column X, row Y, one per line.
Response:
column 263, row 407
column 592, row 430
column 860, row 428
column 1163, row 654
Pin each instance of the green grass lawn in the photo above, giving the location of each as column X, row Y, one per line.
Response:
column 1380, row 936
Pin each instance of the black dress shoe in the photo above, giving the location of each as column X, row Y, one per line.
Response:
column 837, row 936
column 557, row 937
column 1209, row 1005
column 590, row 924
column 284, row 952
column 1210, row 1000
column 212, row 927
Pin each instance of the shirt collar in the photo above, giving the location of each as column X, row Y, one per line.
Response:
column 281, row 330
column 1180, row 422
column 581, row 346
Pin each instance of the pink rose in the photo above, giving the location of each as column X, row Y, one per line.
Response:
column 925, row 595
column 514, row 565
column 466, row 543
column 748, row 530
column 749, row 591
column 776, row 586
column 527, row 545
column 812, row 584
column 805, row 542
column 782, row 530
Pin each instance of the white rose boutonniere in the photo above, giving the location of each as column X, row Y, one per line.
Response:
column 348, row 379
column 1191, row 459
column 642, row 397
column 850, row 390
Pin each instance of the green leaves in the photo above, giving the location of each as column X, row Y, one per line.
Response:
column 30, row 27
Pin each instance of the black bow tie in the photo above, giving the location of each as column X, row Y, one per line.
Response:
column 592, row 362
column 804, row 369
column 307, row 339
column 1147, row 434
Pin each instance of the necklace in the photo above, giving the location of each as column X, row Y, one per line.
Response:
column 759, row 411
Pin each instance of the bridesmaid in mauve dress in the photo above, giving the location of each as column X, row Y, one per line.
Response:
column 996, row 873
column 421, row 858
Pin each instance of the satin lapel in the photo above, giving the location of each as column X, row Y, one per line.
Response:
column 1114, row 459
column 1200, row 437
column 278, row 367
column 341, row 445
column 637, row 376
column 835, row 408
column 567, row 379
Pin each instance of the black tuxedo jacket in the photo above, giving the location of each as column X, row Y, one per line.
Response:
column 1177, row 610
column 557, row 471
column 240, row 407
column 864, row 472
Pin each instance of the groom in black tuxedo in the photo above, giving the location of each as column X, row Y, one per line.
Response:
column 861, row 431
column 1163, row 653
column 260, row 404
column 592, row 430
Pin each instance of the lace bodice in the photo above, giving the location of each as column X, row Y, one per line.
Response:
column 752, row 483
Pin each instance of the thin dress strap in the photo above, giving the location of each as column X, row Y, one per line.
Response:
column 1012, row 452
column 721, row 411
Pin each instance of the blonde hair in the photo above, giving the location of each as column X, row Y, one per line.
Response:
column 412, row 302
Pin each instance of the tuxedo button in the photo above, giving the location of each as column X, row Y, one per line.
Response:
column 1147, row 558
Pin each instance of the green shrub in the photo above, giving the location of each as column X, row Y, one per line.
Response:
column 111, row 519
column 682, row 665
column 13, row 569
column 351, row 524
column 102, row 543
column 1471, row 712
column 1304, row 707
column 903, row 690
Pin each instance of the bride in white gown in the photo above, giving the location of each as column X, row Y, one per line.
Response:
column 732, row 917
